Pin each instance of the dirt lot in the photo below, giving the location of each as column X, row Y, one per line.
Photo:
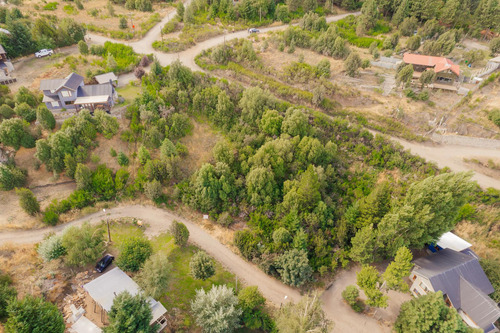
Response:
column 102, row 17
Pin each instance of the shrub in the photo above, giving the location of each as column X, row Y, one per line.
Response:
column 202, row 266
column 123, row 23
column 112, row 152
column 45, row 117
column 225, row 219
column 83, row 47
column 50, row 217
column 11, row 177
column 139, row 72
column 122, row 159
column 494, row 116
column 7, row 295
column 153, row 190
column 83, row 244
column 180, row 233
column 51, row 248
column 32, row 314
column 25, row 111
column 246, row 242
column 133, row 253
column 350, row 294
column 28, row 201
column 6, row 112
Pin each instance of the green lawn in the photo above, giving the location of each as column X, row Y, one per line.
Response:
column 182, row 288
column 129, row 92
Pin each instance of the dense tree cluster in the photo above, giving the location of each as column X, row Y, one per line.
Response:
column 28, row 35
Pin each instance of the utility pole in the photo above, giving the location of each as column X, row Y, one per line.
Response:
column 109, row 231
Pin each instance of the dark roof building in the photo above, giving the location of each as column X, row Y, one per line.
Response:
column 463, row 283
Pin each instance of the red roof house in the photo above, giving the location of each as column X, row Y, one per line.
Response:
column 446, row 70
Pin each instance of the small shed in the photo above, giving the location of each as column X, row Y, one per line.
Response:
column 107, row 77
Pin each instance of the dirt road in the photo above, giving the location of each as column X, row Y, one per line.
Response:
column 159, row 221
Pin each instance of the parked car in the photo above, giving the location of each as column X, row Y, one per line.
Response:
column 44, row 53
column 104, row 263
column 253, row 30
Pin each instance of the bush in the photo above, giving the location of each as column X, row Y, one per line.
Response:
column 180, row 233
column 122, row 159
column 6, row 112
column 83, row 47
column 84, row 245
column 202, row 266
column 225, row 219
column 11, row 177
column 7, row 295
column 133, row 253
column 28, row 201
column 50, row 217
column 32, row 314
column 246, row 242
column 123, row 23
column 494, row 116
column 25, row 111
column 153, row 190
column 45, row 117
column 51, row 248
column 350, row 294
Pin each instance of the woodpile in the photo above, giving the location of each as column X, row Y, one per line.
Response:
column 77, row 296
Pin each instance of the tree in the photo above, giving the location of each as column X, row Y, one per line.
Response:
column 364, row 244
column 11, row 177
column 296, row 122
column 398, row 269
column 134, row 251
column 216, row 311
column 28, row 201
column 103, row 183
column 25, row 111
column 122, row 159
column 223, row 152
column 180, row 233
column 15, row 133
column 252, row 304
column 404, row 75
column 180, row 10
column 167, row 148
column 6, row 112
column 202, row 266
column 305, row 316
column 155, row 275
column 83, row 47
column 123, row 24
column 350, row 294
column 271, row 123
column 352, row 64
column 143, row 155
column 254, row 102
column 45, row 117
column 261, row 186
column 111, row 62
column 153, row 189
column 413, row 43
column 427, row 77
column 8, row 294
column 495, row 45
column 83, row 244
column 294, row 268
column 368, row 279
column 83, row 177
column 32, row 314
column 429, row 313
column 130, row 314
column 429, row 209
column 51, row 248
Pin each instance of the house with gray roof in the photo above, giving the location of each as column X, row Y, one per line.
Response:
column 71, row 93
column 6, row 68
column 463, row 283
column 101, row 292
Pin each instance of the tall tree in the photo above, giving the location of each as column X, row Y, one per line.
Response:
column 216, row 311
column 32, row 314
column 305, row 316
column 155, row 275
column 369, row 280
column 364, row 245
column 130, row 314
column 399, row 269
column 429, row 313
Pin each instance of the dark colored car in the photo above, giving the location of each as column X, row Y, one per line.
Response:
column 104, row 263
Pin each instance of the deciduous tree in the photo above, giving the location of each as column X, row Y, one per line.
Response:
column 202, row 266
column 130, row 314
column 134, row 251
column 83, row 244
column 352, row 64
column 155, row 275
column 305, row 316
column 28, row 201
column 33, row 314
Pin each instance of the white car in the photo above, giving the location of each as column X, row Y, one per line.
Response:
column 253, row 30
column 44, row 53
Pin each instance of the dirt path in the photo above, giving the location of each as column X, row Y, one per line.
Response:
column 159, row 221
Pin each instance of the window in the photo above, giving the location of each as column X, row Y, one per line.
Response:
column 423, row 286
column 55, row 104
column 416, row 291
column 66, row 93
column 414, row 277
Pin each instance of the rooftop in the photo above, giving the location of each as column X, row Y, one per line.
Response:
column 451, row 241
column 72, row 81
column 438, row 63
column 106, row 77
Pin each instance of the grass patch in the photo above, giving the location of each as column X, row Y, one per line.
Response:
column 51, row 6
column 129, row 92
column 69, row 9
column 347, row 30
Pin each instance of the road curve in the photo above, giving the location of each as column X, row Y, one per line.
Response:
column 159, row 220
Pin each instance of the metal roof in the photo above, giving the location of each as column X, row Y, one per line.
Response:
column 106, row 287
column 106, row 77
column 50, row 84
column 478, row 306
column 451, row 241
column 91, row 99
column 445, row 268
column 84, row 325
column 72, row 81
column 49, row 99
column 96, row 90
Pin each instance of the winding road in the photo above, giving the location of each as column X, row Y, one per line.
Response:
column 159, row 221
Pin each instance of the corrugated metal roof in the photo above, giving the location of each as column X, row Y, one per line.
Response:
column 478, row 306
column 91, row 99
column 106, row 77
column 71, row 81
column 445, row 268
column 96, row 90
column 106, row 287
column 451, row 241
column 50, row 84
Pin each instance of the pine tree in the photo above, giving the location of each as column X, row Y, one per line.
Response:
column 399, row 269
